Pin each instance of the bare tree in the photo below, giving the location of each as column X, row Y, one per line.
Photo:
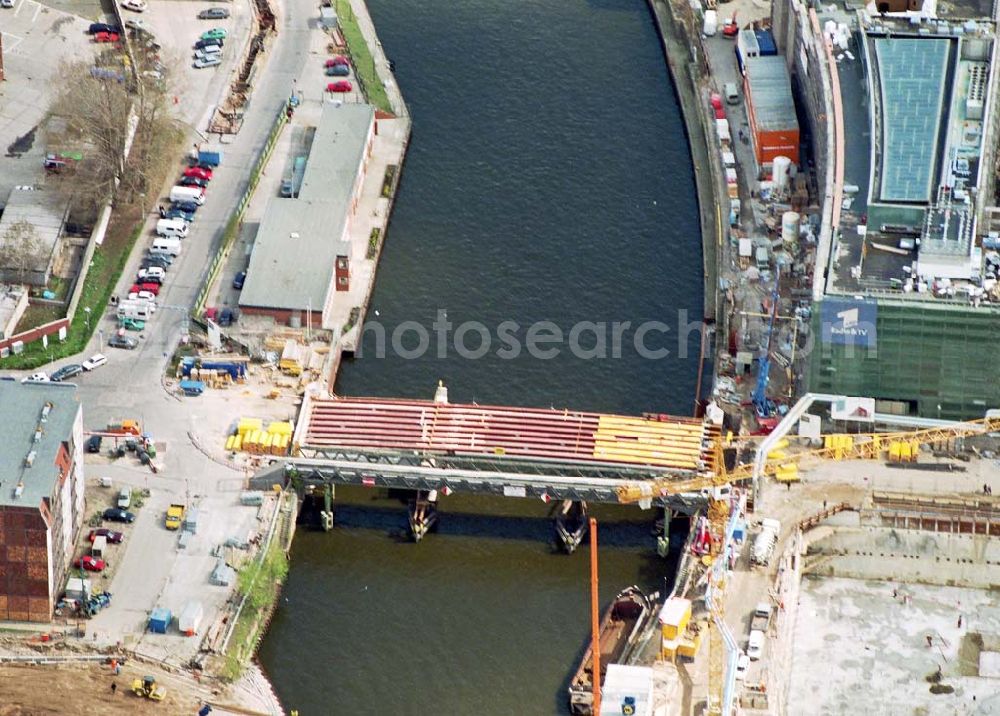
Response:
column 21, row 252
column 124, row 125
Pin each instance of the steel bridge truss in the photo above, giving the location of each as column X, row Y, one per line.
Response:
column 501, row 476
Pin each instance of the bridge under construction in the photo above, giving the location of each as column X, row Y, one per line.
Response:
column 518, row 452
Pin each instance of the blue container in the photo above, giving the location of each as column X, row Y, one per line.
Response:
column 159, row 620
column 765, row 41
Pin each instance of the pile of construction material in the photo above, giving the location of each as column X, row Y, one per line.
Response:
column 215, row 372
column 251, row 437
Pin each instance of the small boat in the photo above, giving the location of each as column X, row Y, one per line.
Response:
column 571, row 524
column 620, row 627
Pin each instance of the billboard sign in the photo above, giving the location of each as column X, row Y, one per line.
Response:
column 857, row 409
column 849, row 322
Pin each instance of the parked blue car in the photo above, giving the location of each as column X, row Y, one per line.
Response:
column 177, row 213
column 188, row 206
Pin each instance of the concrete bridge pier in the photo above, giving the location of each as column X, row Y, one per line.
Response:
column 422, row 513
column 663, row 536
column 571, row 524
column 326, row 516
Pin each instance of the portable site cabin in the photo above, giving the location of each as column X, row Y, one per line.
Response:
column 191, row 521
column 100, row 546
column 159, row 620
column 190, row 618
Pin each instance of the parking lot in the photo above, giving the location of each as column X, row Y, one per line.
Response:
column 36, row 38
column 176, row 27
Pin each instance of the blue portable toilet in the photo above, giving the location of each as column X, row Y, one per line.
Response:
column 159, row 620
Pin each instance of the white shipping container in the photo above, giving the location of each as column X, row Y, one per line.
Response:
column 711, row 23
column 190, row 618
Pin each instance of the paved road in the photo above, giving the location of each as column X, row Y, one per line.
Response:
column 130, row 386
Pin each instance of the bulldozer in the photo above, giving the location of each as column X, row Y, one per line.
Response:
column 146, row 687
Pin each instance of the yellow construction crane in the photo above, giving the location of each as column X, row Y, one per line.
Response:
column 896, row 446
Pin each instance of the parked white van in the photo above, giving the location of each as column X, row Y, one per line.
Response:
column 188, row 193
column 166, row 245
column 172, row 227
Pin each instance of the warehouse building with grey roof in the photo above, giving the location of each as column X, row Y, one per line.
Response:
column 301, row 255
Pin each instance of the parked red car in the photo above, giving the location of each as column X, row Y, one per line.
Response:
column 106, row 37
column 199, row 173
column 113, row 537
column 153, row 288
column 340, row 86
column 91, row 564
column 337, row 60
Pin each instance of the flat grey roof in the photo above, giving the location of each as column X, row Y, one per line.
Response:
column 45, row 211
column 771, row 93
column 912, row 73
column 22, row 415
column 291, row 266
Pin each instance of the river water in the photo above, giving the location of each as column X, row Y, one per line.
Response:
column 548, row 179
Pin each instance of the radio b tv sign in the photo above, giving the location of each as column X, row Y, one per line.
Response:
column 850, row 322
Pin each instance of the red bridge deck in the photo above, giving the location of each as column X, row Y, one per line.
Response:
column 564, row 435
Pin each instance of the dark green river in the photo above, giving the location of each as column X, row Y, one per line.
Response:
column 548, row 179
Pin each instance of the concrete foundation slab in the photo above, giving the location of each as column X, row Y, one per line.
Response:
column 858, row 649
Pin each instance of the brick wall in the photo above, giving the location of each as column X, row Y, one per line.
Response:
column 36, row 334
column 24, row 568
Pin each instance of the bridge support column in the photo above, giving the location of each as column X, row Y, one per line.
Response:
column 663, row 539
column 571, row 524
column 422, row 514
column 326, row 516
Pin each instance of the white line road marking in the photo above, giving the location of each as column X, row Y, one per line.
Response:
column 19, row 6
column 8, row 47
column 38, row 9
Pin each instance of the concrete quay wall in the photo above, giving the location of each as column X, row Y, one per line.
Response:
column 907, row 555
column 713, row 202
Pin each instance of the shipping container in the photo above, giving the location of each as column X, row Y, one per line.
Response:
column 765, row 43
column 159, row 620
column 190, row 619
column 711, row 23
column 746, row 47
column 774, row 126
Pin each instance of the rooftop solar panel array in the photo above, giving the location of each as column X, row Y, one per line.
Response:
column 912, row 73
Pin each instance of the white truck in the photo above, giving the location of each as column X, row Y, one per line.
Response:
column 763, row 545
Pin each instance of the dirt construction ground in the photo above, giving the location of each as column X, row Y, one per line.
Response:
column 86, row 690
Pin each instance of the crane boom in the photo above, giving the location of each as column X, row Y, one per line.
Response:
column 761, row 404
column 867, row 446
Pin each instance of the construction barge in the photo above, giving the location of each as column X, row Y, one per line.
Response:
column 621, row 626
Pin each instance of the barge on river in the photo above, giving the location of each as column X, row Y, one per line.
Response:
column 620, row 628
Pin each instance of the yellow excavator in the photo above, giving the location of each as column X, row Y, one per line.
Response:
column 147, row 688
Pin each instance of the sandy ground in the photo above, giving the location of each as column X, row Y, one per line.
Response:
column 83, row 689
column 86, row 689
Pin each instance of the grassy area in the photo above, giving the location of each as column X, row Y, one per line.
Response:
column 105, row 268
column 364, row 63
column 38, row 314
column 261, row 583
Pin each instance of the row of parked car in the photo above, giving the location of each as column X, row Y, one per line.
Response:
column 208, row 48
